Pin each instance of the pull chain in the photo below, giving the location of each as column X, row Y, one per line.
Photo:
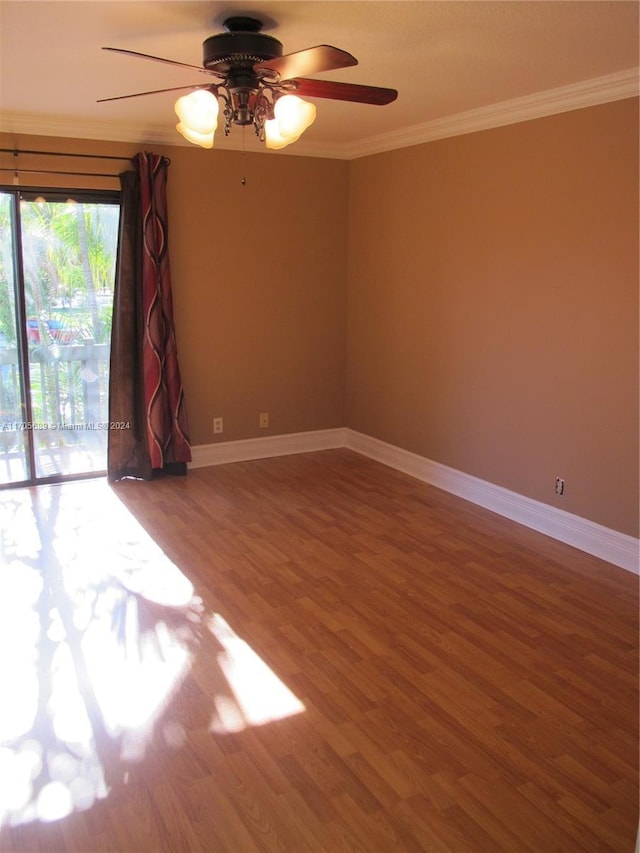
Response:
column 243, row 179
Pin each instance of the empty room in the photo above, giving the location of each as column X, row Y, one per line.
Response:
column 319, row 409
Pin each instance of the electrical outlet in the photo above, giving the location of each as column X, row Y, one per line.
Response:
column 217, row 425
column 559, row 486
column 264, row 420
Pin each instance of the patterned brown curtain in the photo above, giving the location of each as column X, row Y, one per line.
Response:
column 149, row 429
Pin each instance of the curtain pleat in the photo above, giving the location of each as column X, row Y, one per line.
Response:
column 149, row 430
column 167, row 426
column 127, row 448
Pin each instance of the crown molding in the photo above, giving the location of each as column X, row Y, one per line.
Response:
column 587, row 93
column 67, row 127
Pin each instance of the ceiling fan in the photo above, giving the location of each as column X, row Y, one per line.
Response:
column 258, row 85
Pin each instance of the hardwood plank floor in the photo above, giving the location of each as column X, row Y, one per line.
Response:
column 310, row 653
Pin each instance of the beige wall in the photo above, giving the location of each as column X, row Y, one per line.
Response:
column 259, row 279
column 493, row 307
column 492, row 288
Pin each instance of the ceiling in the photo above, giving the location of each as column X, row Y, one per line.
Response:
column 458, row 66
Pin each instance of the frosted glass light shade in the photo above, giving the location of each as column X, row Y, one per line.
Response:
column 292, row 116
column 273, row 138
column 198, row 114
column 205, row 140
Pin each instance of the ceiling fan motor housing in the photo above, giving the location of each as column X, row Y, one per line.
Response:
column 242, row 46
column 234, row 54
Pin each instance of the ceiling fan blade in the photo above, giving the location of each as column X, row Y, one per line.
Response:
column 153, row 92
column 161, row 59
column 345, row 92
column 313, row 60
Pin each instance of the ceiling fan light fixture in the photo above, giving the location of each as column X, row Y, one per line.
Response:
column 273, row 138
column 198, row 114
column 254, row 83
column 204, row 140
column 292, row 116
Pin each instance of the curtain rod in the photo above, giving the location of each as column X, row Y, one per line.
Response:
column 18, row 151
column 57, row 172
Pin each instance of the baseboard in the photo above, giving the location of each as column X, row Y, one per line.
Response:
column 595, row 539
column 266, row 446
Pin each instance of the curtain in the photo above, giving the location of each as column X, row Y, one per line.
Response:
column 149, row 432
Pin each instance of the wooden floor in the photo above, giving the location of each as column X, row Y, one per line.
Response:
column 318, row 654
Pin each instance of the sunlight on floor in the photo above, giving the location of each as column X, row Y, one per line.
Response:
column 257, row 694
column 102, row 629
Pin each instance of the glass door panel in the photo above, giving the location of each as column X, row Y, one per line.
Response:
column 63, row 286
column 14, row 459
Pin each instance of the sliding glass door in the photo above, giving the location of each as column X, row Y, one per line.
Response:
column 57, row 272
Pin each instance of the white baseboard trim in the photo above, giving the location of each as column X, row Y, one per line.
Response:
column 588, row 536
column 595, row 539
column 267, row 446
